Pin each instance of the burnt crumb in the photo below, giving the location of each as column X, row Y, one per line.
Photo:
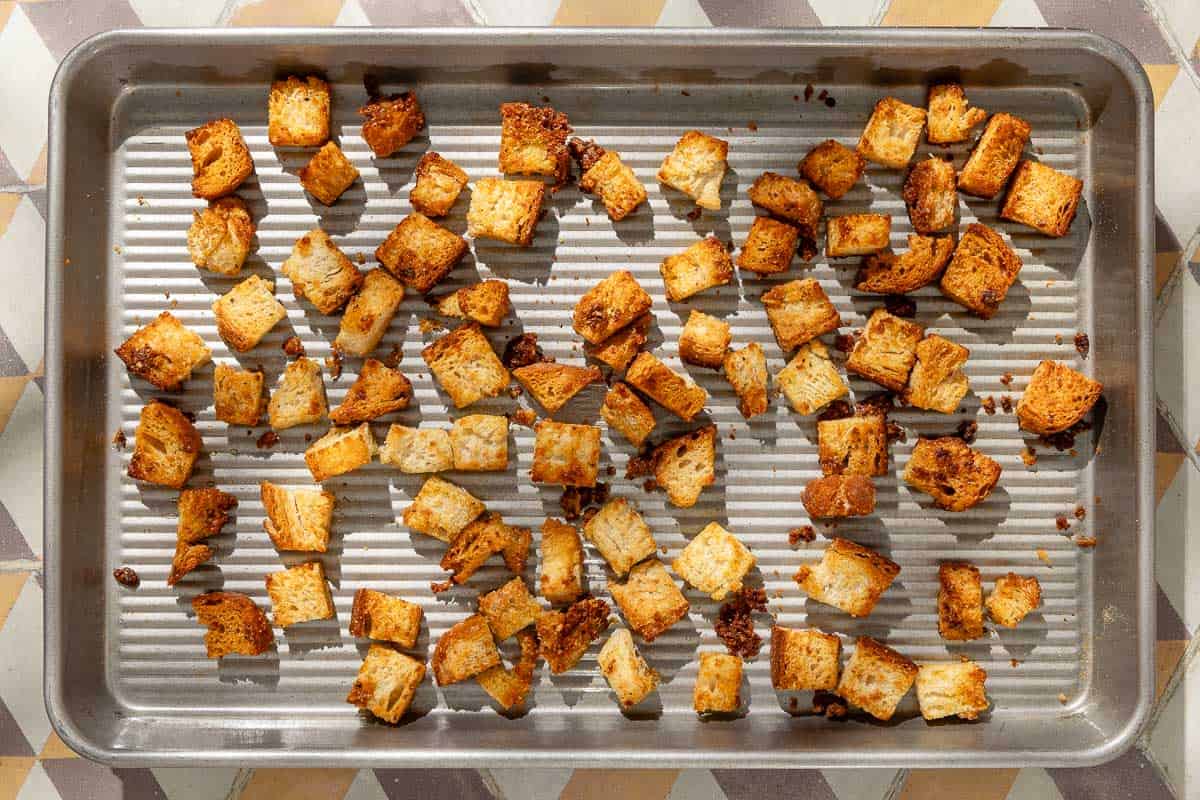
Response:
column 989, row 297
column 523, row 350
column 752, row 125
column 1080, row 512
column 879, row 404
column 392, row 359
column 308, row 437
column 523, row 416
column 293, row 347
column 829, row 705
column 838, row 409
column 808, row 92
column 967, row 429
column 1058, row 338
column 588, row 513
column 796, row 98
column 732, row 433
column 1006, row 404
column 695, row 213
column 1006, row 379
column 1014, row 663
column 610, row 470
column 807, row 248
column 824, row 93
column 585, row 152
column 126, row 577
column 1029, row 456
column 641, row 464
column 830, row 102
column 438, row 588
column 268, row 439
column 735, row 622
column 190, row 416
column 899, row 305
column 1065, row 440
column 1062, row 523
column 576, row 498
column 685, row 93
column 1085, row 541
column 361, row 258
column 650, row 485
column 989, row 405
column 1083, row 344
column 805, row 533
column 845, row 342
column 793, row 704
column 334, row 364
column 118, row 440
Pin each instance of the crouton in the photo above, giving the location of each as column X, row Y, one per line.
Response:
column 339, row 451
column 937, row 381
column 952, row 689
column 619, row 349
column 981, row 271
column 649, row 599
column 369, row 313
column 949, row 118
column 441, row 509
column 610, row 179
column 839, row 496
column 684, row 465
column 480, row 540
column 299, row 399
column 509, row 609
column 298, row 112
column 420, row 252
column 799, row 311
column 463, row 651
column 701, row 266
column 1042, row 198
column 810, row 381
column 164, row 352
column 509, row 687
column 920, row 265
column 219, row 237
column 892, row 133
column 718, row 684
column 609, row 306
column 789, row 199
column 624, row 411
column 566, row 454
column 380, row 616
column 959, row 601
column 704, row 340
column 391, row 122
column 297, row 519
column 804, row 659
column 235, row 624
column 187, row 557
column 566, row 635
column 714, row 562
column 320, row 272
column 696, row 167
column 995, row 155
column 1012, row 598
column 386, row 683
column 954, row 474
column 853, row 445
column 465, row 365
column 533, row 141
column 886, row 351
column 618, row 531
column 769, row 246
column 238, row 395
column 746, row 371
column 561, row 580
column 1056, row 398
column 439, row 183
column 833, row 168
column 377, row 390
column 247, row 312
column 165, row 446
column 417, row 451
column 299, row 594
column 857, row 234
column 479, row 442
column 485, row 303
column 930, row 195
column 220, row 158
column 627, row 673
column 328, row 174
column 849, row 576
column 507, row 211
column 677, row 393
column 876, row 678
column 202, row 513
column 553, row 385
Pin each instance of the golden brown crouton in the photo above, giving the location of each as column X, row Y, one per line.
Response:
column 995, row 156
column 614, row 183
column 417, row 451
column 509, row 609
column 187, row 557
column 391, row 122
column 799, row 311
column 857, row 234
column 769, row 246
column 377, row 390
column 959, row 601
column 439, row 183
column 329, row 174
column 566, row 454
column 930, row 195
column 202, row 513
column 235, row 625
column 479, row 442
column 888, row 273
column 952, row 689
column 465, row 365
column 561, row 580
column 566, row 635
column 298, row 112
column 853, row 445
column 485, row 303
column 165, row 446
column 299, row 399
column 649, row 599
column 369, row 313
column 627, row 673
column 465, row 650
column 746, row 371
column 833, row 168
column 164, row 352
column 892, row 133
column 1012, row 598
column 704, row 340
column 297, row 519
column 220, row 236
column 804, row 659
column 1042, row 198
column 609, row 306
column 247, row 312
column 533, row 141
column 696, row 167
column 677, row 393
column 618, row 531
column 1056, row 398
column 386, row 683
column 553, row 385
column 981, row 271
column 886, row 351
column 714, row 562
column 507, row 211
column 686, row 464
column 509, row 687
column 949, row 118
column 718, row 684
column 238, row 395
column 619, row 349
column 420, row 252
column 339, row 451
column 839, row 496
column 937, row 381
column 441, row 509
column 810, row 381
column 701, row 266
column 788, row 199
column 299, row 594
column 849, row 576
column 876, row 678
column 220, row 158
column 624, row 411
column 954, row 474
column 320, row 272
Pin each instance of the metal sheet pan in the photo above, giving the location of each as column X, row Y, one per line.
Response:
column 126, row 677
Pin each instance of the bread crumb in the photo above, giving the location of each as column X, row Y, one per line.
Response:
column 118, row 440
column 989, row 405
column 1085, row 541
column 1062, row 698
column 1029, row 456
column 1043, row 556
column 126, row 577
column 429, row 325
column 805, row 533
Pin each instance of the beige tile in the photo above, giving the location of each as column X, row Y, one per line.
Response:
column 287, row 12
column 10, row 588
column 10, row 393
column 1166, row 657
column 958, row 784
column 55, row 748
column 1161, row 77
column 606, row 784
column 298, row 784
column 940, row 13
column 587, row 12
column 13, row 772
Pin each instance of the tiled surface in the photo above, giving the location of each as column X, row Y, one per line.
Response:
column 1164, row 34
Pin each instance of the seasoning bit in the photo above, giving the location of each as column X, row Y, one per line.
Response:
column 293, row 347
column 268, row 439
column 127, row 577
column 804, row 533
column 118, row 440
column 1083, row 344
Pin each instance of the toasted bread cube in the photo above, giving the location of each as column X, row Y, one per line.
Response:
column 439, row 183
column 238, row 395
column 247, row 312
column 441, row 509
column 561, row 580
column 696, row 167
column 328, row 174
column 320, row 272
column 509, row 609
column 566, row 454
column 857, row 234
column 619, row 349
column 853, row 446
column 386, row 683
column 624, row 411
column 788, row 199
column 937, row 381
column 746, row 371
column 839, row 496
column 701, row 266
column 849, row 576
column 930, row 195
column 714, row 562
column 553, row 385
column 299, row 399
column 298, row 112
column 769, row 246
column 220, row 236
column 959, row 601
column 533, row 141
column 649, row 599
column 683, row 466
column 297, row 519
column 420, row 252
column 876, row 678
column 220, row 158
column 995, row 156
column 566, row 635
column 952, row 689
column 235, row 624
column 202, row 513
column 485, row 303
column 479, row 442
column 377, row 390
column 704, row 340
column 627, row 673
column 833, row 168
column 799, row 311
column 164, row 352
column 981, row 271
column 718, row 684
column 299, row 594
column 886, row 351
column 339, row 451
column 954, row 474
column 369, row 313
column 949, row 118
column 187, row 557
column 1056, row 398
column 920, row 265
column 509, row 687
column 677, row 393
column 892, row 133
column 609, row 306
column 810, row 381
column 507, row 211
column 165, row 446
column 618, row 531
column 417, row 451
column 463, row 651
column 614, row 183
column 1012, row 598
column 391, row 122
column 480, row 540
column 1043, row 198
column 804, row 659
column 465, row 365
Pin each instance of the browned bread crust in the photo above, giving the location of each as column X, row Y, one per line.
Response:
column 839, row 496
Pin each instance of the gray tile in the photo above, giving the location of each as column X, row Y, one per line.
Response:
column 1168, row 625
column 62, row 25
column 80, row 779
column 12, row 740
column 12, row 542
column 1127, row 777
column 433, row 784
column 755, row 784
column 8, row 175
column 11, row 365
column 761, row 13
column 1126, row 21
column 423, row 13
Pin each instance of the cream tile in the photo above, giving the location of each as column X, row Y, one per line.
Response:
column 1177, row 550
column 518, row 12
column 23, row 129
column 196, row 783
column 352, row 15
column 1177, row 157
column 1173, row 740
column 531, row 784
column 1018, row 14
column 366, row 785
column 1033, row 783
column 683, row 14
column 696, row 784
column 37, row 786
column 22, row 263
column 1183, row 20
column 178, row 13
column 21, row 665
column 21, row 466
column 847, row 12
column 862, row 784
